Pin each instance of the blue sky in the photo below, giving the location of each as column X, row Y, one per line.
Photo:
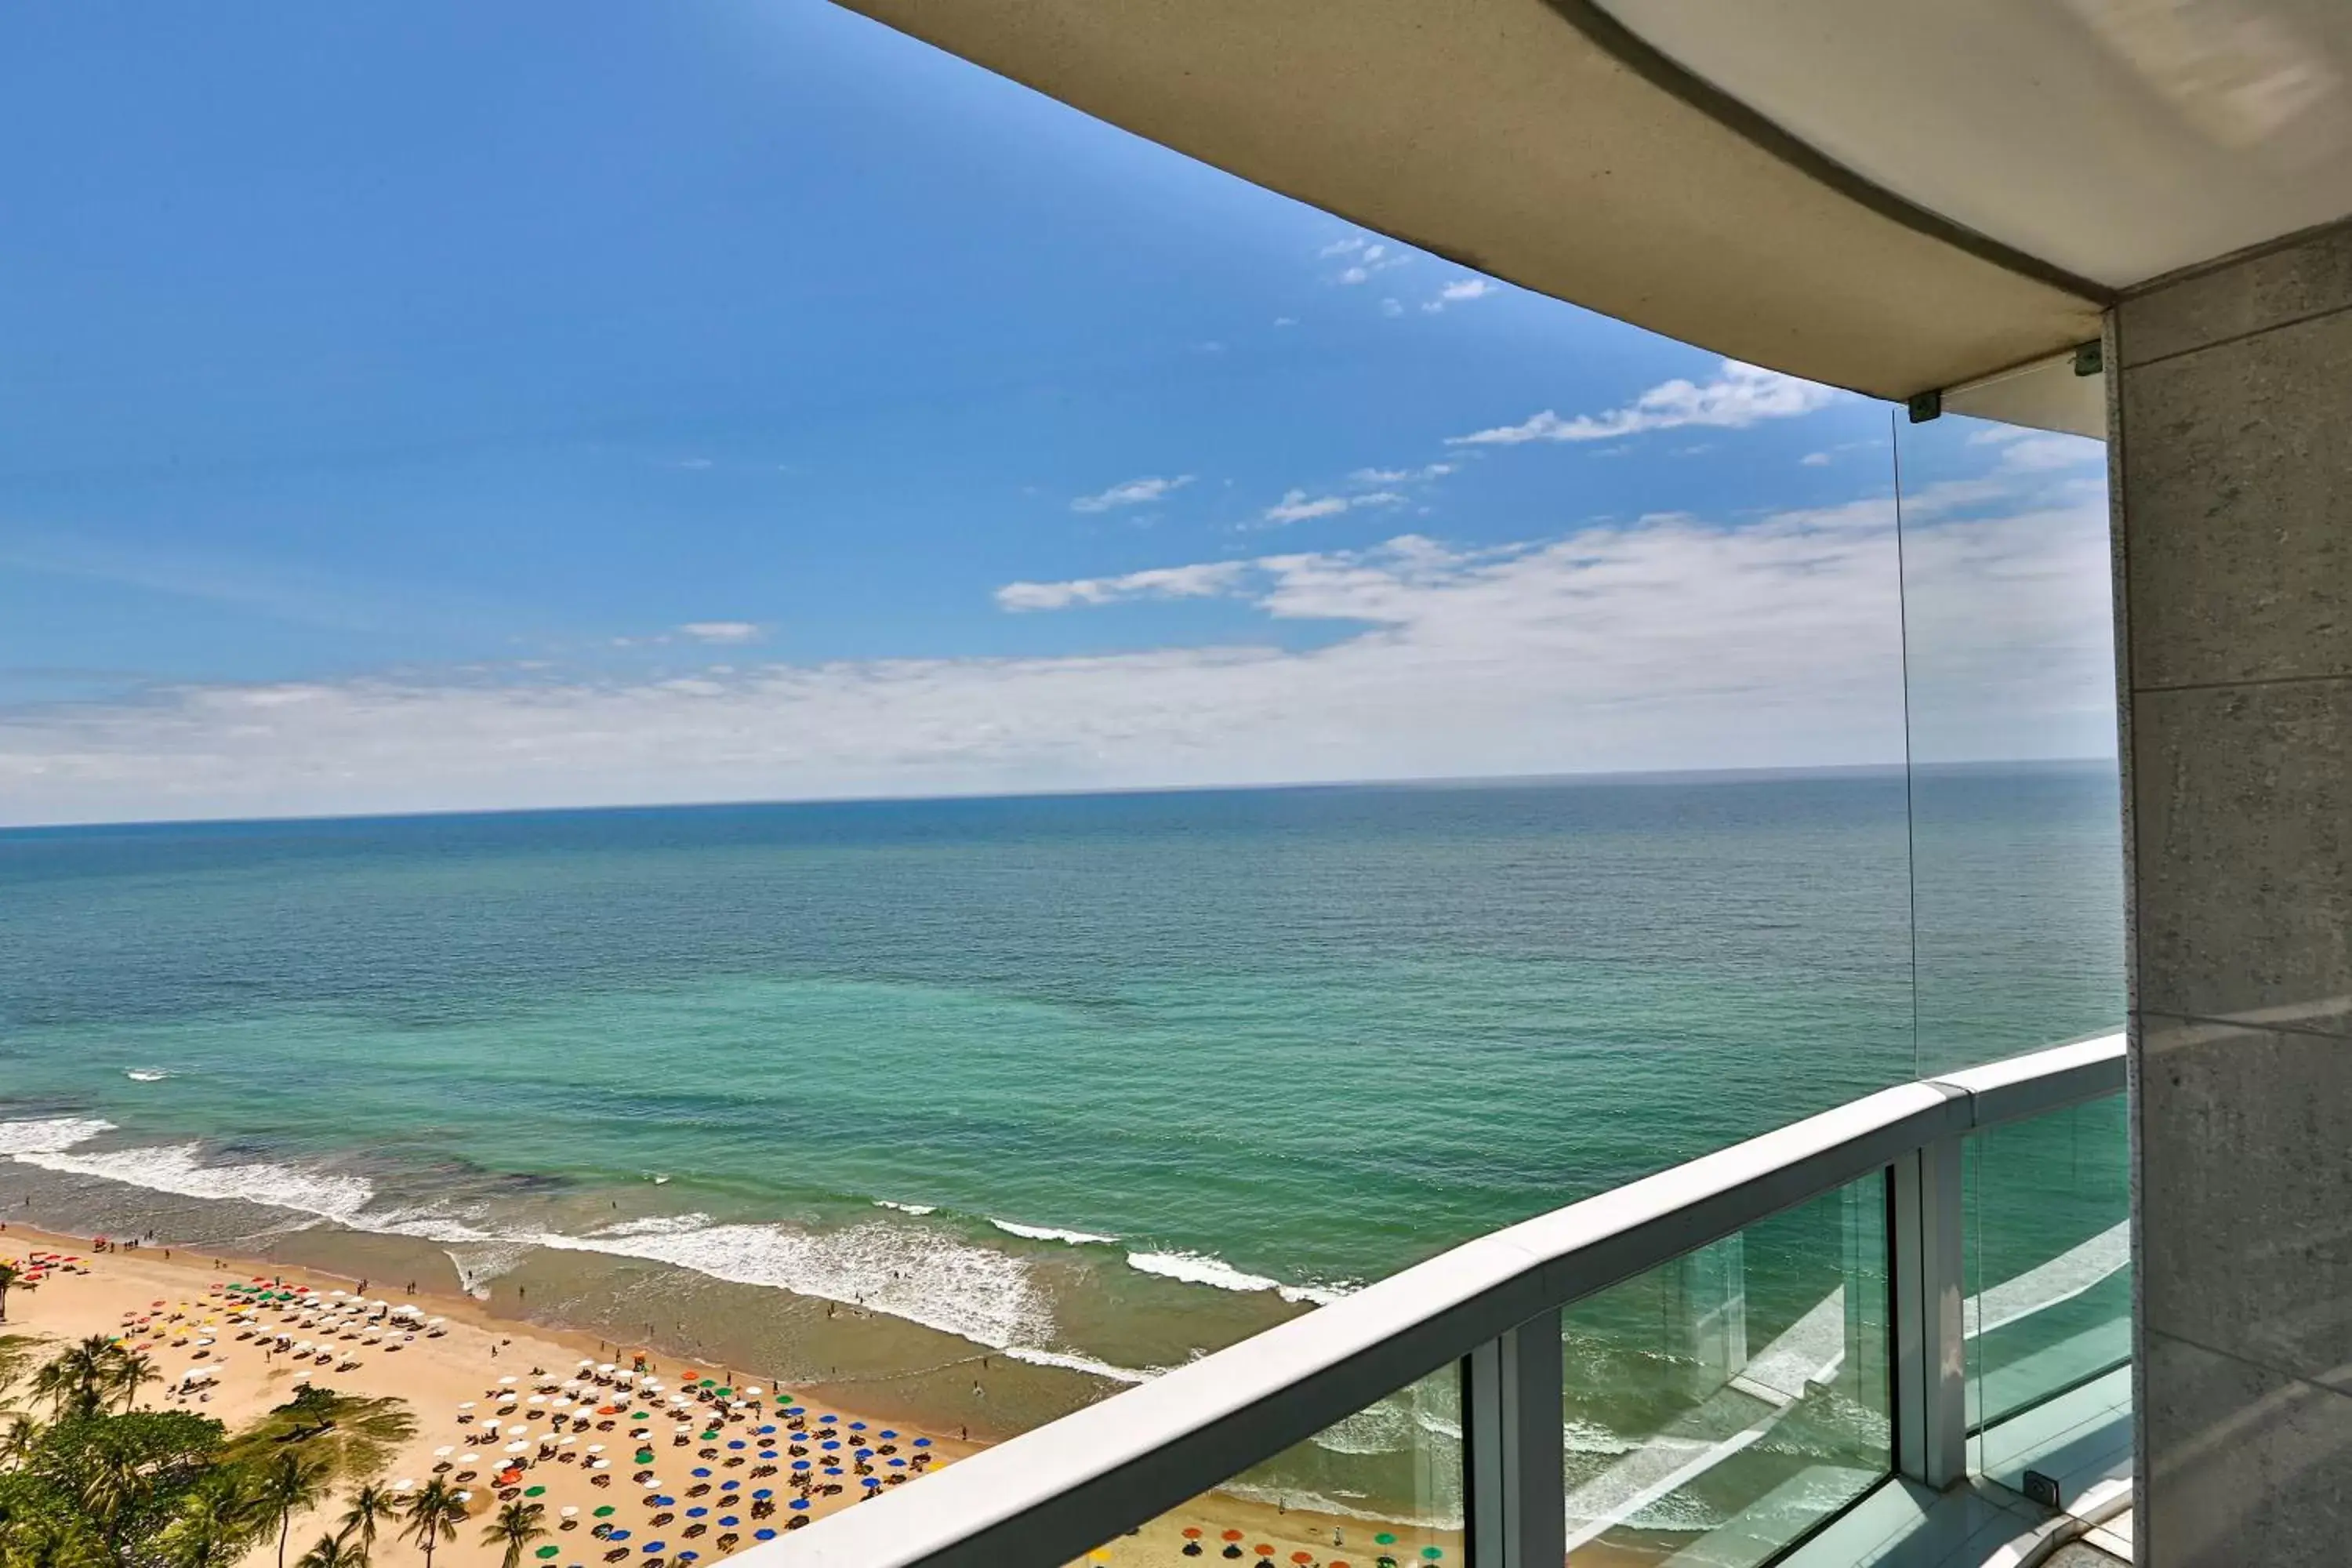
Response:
column 448, row 406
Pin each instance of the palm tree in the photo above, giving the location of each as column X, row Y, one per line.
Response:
column 332, row 1552
column 371, row 1507
column 292, row 1482
column 432, row 1516
column 126, row 1371
column 515, row 1528
column 11, row 1278
column 214, row 1523
column 76, row 1383
column 353, row 1434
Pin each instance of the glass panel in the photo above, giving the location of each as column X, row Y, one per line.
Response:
column 1381, row 1489
column 2017, row 843
column 1738, row 1394
column 2049, row 1308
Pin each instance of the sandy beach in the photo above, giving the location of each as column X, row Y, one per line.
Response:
column 489, row 1394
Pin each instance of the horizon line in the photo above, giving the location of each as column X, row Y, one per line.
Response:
column 1441, row 780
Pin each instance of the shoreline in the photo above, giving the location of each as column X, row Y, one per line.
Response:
column 478, row 1346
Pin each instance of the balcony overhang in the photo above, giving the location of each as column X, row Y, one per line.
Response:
column 1889, row 196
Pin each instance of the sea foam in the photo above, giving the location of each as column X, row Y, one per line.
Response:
column 180, row 1169
column 1203, row 1269
column 53, row 1136
column 1047, row 1232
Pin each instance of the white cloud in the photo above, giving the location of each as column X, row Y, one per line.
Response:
column 1669, row 642
column 1132, row 493
column 1391, row 308
column 1816, row 460
column 1160, row 583
column 1400, row 476
column 1458, row 293
column 1286, row 320
column 1295, row 507
column 1740, row 395
column 723, row 632
column 1364, row 257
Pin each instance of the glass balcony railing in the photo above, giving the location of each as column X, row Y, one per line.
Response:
column 1854, row 1308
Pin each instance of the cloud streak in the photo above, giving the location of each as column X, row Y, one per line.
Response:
column 1132, row 492
column 1742, row 394
column 1672, row 642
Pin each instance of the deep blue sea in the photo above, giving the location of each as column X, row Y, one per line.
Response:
column 1098, row 1081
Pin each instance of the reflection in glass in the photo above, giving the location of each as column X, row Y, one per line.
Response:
column 1383, row 1489
column 2049, row 1308
column 1737, row 1395
column 2016, row 835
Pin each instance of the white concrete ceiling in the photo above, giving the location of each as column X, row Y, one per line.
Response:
column 2119, row 139
column 1892, row 196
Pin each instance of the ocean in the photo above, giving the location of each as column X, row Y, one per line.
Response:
column 1083, row 1086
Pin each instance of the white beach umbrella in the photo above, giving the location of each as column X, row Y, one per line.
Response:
column 536, row 1399
column 445, row 1450
column 468, row 1458
column 568, row 1511
column 509, row 1381
column 602, row 1465
column 404, row 1484
column 595, row 1447
column 517, row 1448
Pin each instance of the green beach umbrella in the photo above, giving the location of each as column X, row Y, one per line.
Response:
column 534, row 1491
column 605, row 1512
column 1432, row 1553
column 546, row 1552
column 1385, row 1539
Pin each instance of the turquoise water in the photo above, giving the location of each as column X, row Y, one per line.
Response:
column 1254, row 1044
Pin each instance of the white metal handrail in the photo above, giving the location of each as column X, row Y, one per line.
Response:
column 1050, row 1495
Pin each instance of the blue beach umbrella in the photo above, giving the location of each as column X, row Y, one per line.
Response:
column 737, row 1443
column 767, row 1453
column 665, row 1502
column 871, row 1481
column 695, row 1513
column 800, row 1464
column 728, row 1521
column 618, row 1535
column 897, row 1464
column 799, row 1503
column 763, row 1494
column 688, row 1556
column 766, row 1431
column 858, row 1426
column 865, row 1452
column 797, row 1410
column 831, row 1443
column 764, row 1535
column 922, row 1442
column 833, row 1469
column 701, row 1471
column 827, row 1420
column 651, row 1547
column 729, row 1486
column 888, row 1434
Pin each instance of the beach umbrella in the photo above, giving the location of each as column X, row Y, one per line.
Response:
column 652, row 1546
column 443, row 1451
column 827, row 1420
column 800, row 1464
column 831, row 1443
column 545, row 1552
column 618, row 1535
column 517, row 1448
column 728, row 1486
column 697, row 1512
column 534, row 1491
column 664, row 1501
column 701, row 1471
column 727, row 1520
column 605, row 1512
column 888, row 1435
column 871, row 1481
column 688, row 1556
column 764, row 1535
column 897, row 1464
column 796, row 1410
column 922, row 1442
column 771, row 1431
column 737, row 1443
column 799, row 1503
column 509, row 1381
column 572, row 1511
column 833, row 1469
column 763, row 1494
column 767, row 1453
column 858, row 1426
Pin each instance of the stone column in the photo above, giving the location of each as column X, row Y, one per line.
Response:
column 2233, row 480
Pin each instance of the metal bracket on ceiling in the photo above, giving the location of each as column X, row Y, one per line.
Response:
column 1926, row 406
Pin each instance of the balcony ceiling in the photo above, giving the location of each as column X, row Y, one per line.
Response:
column 1891, row 196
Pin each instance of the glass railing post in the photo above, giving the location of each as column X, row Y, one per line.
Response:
column 1931, row 1350
column 1512, row 1441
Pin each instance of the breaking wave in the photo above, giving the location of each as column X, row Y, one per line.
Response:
column 179, row 1169
column 53, row 1136
column 1047, row 1232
